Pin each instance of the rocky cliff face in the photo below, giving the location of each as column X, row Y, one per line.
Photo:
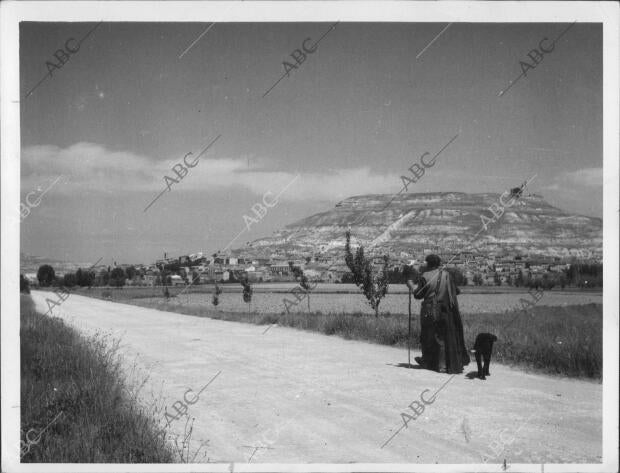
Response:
column 406, row 224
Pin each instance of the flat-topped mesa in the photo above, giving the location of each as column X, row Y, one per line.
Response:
column 396, row 223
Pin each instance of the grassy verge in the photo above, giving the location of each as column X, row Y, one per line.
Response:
column 564, row 340
column 75, row 387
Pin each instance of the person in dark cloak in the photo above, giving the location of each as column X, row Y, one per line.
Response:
column 441, row 331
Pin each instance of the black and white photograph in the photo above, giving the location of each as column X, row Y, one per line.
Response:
column 309, row 236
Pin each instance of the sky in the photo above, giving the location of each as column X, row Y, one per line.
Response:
column 107, row 126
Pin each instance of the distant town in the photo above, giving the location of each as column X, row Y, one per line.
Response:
column 474, row 269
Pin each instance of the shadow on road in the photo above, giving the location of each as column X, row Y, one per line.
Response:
column 406, row 365
column 472, row 375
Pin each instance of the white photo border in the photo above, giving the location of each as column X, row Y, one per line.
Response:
column 12, row 13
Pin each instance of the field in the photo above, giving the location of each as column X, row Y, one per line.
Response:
column 338, row 298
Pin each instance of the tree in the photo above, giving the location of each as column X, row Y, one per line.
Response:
column 233, row 276
column 103, row 278
column 409, row 272
column 84, row 277
column 374, row 287
column 519, row 279
column 547, row 283
column 117, row 277
column 302, row 279
column 69, row 280
column 130, row 272
column 584, row 275
column 509, row 280
column 497, row 280
column 477, row 279
column 24, row 284
column 247, row 291
column 216, row 295
column 46, row 275
column 533, row 282
column 457, row 276
column 162, row 277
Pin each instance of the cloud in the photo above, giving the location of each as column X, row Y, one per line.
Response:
column 86, row 166
column 92, row 167
column 587, row 177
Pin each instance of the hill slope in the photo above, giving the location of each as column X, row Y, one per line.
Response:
column 408, row 223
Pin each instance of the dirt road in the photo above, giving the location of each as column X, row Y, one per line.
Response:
column 314, row 398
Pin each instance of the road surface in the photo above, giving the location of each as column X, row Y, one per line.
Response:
column 314, row 398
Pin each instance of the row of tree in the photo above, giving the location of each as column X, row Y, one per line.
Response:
column 117, row 277
column 590, row 275
column 83, row 277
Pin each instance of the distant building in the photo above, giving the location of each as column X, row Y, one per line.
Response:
column 336, row 273
column 255, row 276
column 313, row 274
column 280, row 268
column 149, row 279
column 176, row 280
column 195, row 256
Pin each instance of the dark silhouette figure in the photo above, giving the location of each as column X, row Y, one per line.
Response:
column 483, row 346
column 441, row 327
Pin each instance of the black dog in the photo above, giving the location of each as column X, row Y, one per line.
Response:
column 483, row 348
